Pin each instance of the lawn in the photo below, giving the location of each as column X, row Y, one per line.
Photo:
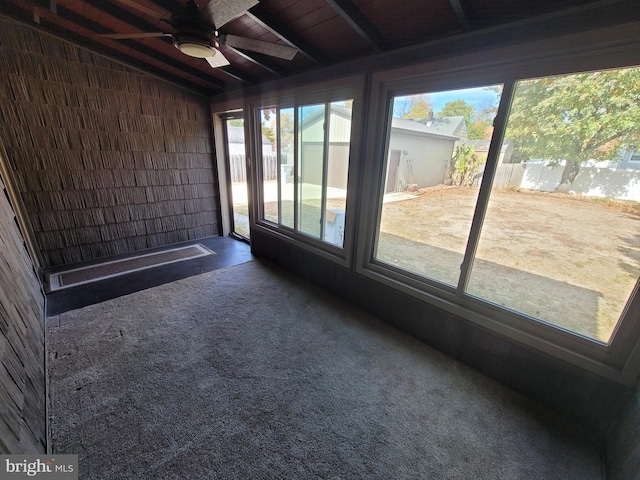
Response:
column 569, row 260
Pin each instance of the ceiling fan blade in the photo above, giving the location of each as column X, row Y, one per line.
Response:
column 143, row 9
column 266, row 48
column 218, row 60
column 120, row 36
column 219, row 12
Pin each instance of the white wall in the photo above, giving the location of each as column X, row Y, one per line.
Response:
column 430, row 157
column 338, row 166
column 591, row 181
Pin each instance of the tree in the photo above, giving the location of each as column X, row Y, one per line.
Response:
column 478, row 123
column 286, row 129
column 458, row 108
column 479, row 130
column 268, row 132
column 575, row 118
column 413, row 107
column 482, row 126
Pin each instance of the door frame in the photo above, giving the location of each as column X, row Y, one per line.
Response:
column 392, row 171
column 225, row 212
column 225, row 117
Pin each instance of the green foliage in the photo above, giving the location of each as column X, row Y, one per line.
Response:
column 418, row 111
column 478, row 123
column 413, row 107
column 479, row 130
column 269, row 133
column 463, row 165
column 575, row 117
column 458, row 108
column 286, row 130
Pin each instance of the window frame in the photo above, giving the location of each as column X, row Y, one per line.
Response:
column 619, row 359
column 350, row 88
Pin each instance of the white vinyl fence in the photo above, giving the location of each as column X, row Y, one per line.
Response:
column 591, row 181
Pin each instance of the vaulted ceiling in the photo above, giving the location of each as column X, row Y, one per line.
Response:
column 324, row 32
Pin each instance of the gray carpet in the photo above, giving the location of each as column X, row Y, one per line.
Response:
column 250, row 373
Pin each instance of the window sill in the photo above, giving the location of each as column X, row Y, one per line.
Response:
column 582, row 352
column 325, row 250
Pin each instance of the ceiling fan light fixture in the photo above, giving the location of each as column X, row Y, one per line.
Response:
column 195, row 47
column 193, row 31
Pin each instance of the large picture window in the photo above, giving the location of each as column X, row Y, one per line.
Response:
column 543, row 225
column 437, row 147
column 305, row 168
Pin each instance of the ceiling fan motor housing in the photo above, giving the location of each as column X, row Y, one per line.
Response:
column 192, row 36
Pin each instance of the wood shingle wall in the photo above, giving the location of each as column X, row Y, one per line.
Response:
column 22, row 382
column 107, row 160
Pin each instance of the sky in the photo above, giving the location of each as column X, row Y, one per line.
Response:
column 479, row 97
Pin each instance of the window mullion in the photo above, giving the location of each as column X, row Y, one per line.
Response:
column 296, row 159
column 278, row 164
column 499, row 124
column 325, row 168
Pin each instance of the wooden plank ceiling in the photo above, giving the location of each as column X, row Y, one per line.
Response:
column 325, row 32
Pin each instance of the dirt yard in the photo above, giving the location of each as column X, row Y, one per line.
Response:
column 569, row 260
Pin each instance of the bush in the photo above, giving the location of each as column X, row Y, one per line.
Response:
column 463, row 166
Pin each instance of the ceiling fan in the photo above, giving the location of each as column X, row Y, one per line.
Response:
column 194, row 31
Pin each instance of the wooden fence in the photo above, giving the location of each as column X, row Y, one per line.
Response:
column 508, row 174
column 238, row 171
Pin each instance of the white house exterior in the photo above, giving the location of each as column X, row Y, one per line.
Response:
column 630, row 159
column 312, row 144
column 236, row 141
column 428, row 148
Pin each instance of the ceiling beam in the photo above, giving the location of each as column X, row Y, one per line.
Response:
column 238, row 74
column 282, row 31
column 136, row 22
column 171, row 6
column 262, row 61
column 361, row 24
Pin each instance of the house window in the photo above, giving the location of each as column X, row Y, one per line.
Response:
column 307, row 190
column 531, row 224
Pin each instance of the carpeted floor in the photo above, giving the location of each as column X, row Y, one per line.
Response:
column 250, row 373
